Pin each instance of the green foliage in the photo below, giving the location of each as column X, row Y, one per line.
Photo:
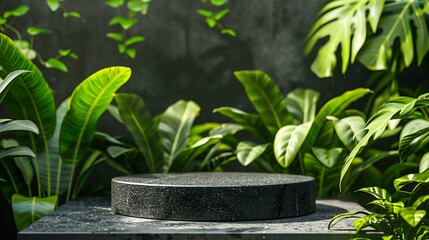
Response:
column 64, row 136
column 292, row 136
column 169, row 142
column 26, row 46
column 213, row 18
column 133, row 8
column 345, row 22
column 401, row 215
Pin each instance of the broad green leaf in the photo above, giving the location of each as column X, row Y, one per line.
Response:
column 114, row 3
column 125, row 23
column 421, row 200
column 174, row 129
column 412, row 216
column 413, row 126
column 184, row 160
column 266, row 98
column 228, row 31
column 372, row 220
column 328, row 157
column 219, row 15
column 422, row 177
column 19, row 151
column 397, row 24
column 226, row 129
column 18, row 125
column 56, row 64
column 378, row 193
column 88, row 101
column 34, row 31
column 349, row 130
column 27, row 210
column 133, row 39
column 5, row 83
column 424, row 163
column 71, row 14
column 138, row 121
column 23, row 163
column 375, row 127
column 17, row 12
column 247, row 152
column 205, row 13
column 302, row 104
column 218, row 2
column 250, row 122
column 53, row 4
column 288, row 142
column 55, row 173
column 344, row 22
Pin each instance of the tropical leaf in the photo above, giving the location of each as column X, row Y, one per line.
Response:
column 378, row 193
column 88, row 101
column 140, row 124
column 302, row 104
column 247, row 152
column 373, row 219
column 328, row 157
column 339, row 217
column 421, row 200
column 23, row 163
column 412, row 216
column 4, row 83
column 411, row 178
column 377, row 124
column 19, row 151
column 399, row 21
column 29, row 97
column 288, row 141
column 411, row 143
column 424, row 163
column 26, row 210
column 250, row 122
column 93, row 160
column 345, row 23
column 266, row 98
column 348, row 129
column 18, row 125
column 55, row 176
column 174, row 129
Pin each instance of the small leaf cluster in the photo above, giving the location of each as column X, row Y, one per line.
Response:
column 27, row 46
column 402, row 215
column 213, row 18
column 126, row 21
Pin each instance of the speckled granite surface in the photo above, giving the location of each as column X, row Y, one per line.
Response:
column 214, row 196
column 92, row 218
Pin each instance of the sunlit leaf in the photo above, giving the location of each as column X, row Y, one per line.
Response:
column 228, row 31
column 302, row 104
column 378, row 193
column 412, row 216
column 247, row 152
column 53, row 4
column 219, row 15
column 17, row 12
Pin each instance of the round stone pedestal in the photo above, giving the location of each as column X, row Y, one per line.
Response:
column 212, row 196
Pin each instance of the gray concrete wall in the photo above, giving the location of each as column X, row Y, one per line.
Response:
column 182, row 58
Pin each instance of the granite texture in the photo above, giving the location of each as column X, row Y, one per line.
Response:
column 92, row 218
column 223, row 196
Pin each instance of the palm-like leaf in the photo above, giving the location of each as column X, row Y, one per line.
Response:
column 175, row 127
column 4, row 84
column 266, row 98
column 140, row 124
column 27, row 210
column 397, row 23
column 345, row 23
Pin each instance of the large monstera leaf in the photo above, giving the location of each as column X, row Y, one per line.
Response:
column 398, row 22
column 345, row 23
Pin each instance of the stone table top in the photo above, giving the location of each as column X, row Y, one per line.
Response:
column 92, row 218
